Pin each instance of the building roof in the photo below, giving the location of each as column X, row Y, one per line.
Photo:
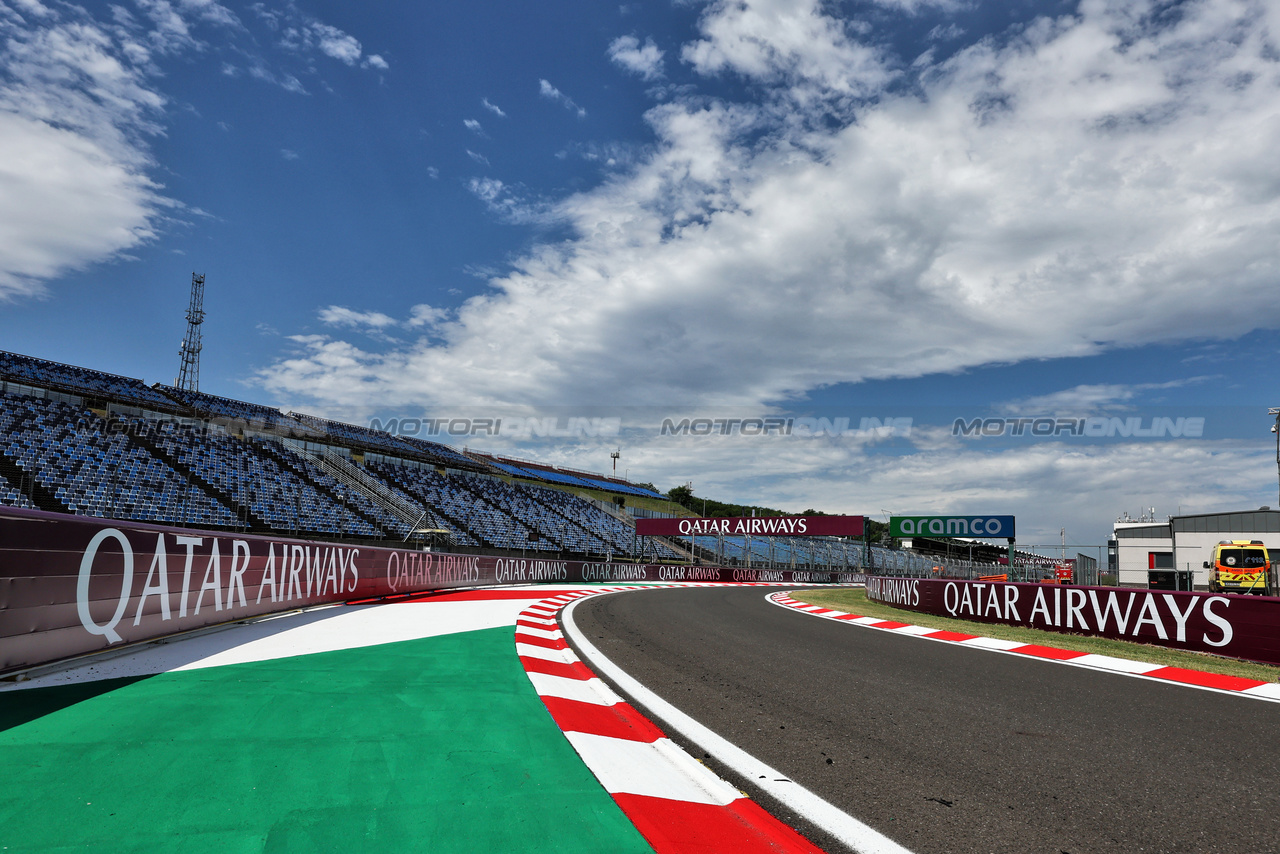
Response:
column 1241, row 522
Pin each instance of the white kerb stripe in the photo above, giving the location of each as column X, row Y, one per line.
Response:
column 583, row 690
column 1116, row 665
column 1271, row 690
column 530, row 651
column 913, row 630
column 658, row 770
column 539, row 633
column 993, row 643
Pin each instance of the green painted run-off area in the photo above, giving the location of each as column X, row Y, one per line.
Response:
column 434, row 745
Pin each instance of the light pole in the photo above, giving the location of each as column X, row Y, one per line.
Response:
column 1275, row 428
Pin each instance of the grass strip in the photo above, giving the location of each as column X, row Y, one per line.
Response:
column 855, row 601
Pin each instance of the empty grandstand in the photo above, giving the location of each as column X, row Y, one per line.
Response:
column 79, row 441
column 74, row 440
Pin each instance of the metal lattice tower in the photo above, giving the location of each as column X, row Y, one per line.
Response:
column 189, row 373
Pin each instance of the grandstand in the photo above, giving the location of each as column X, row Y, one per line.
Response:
column 212, row 406
column 74, row 440
column 79, row 441
column 92, row 385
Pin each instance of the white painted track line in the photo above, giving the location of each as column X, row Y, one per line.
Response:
column 815, row 809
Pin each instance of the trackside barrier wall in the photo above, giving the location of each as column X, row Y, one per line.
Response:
column 71, row 585
column 1245, row 627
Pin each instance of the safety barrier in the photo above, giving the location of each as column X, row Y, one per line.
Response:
column 72, row 585
column 1245, row 627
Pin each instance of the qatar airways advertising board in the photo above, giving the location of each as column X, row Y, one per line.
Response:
column 754, row 526
column 1237, row 626
column 71, row 585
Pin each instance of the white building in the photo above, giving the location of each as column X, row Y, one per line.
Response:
column 1162, row 554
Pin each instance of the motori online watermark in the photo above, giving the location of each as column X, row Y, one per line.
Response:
column 778, row 425
column 515, row 427
column 1108, row 427
column 562, row 427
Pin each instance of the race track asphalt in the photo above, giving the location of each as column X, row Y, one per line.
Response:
column 948, row 749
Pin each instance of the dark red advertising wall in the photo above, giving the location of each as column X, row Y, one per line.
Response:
column 71, row 585
column 738, row 526
column 1238, row 626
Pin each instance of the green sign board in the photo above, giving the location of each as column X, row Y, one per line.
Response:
column 951, row 526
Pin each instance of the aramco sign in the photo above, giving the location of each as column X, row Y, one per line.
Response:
column 951, row 526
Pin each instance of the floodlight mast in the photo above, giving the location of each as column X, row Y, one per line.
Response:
column 1275, row 428
column 189, row 372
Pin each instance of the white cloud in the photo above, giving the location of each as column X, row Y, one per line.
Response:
column 334, row 43
column 645, row 60
column 1098, row 180
column 473, row 126
column 948, row 33
column 425, row 315
column 792, row 43
column 76, row 109
column 494, row 108
column 550, row 92
column 913, row 7
column 80, row 100
column 303, row 34
column 508, row 202
column 336, row 315
column 1047, row 485
column 422, row 317
column 1084, row 399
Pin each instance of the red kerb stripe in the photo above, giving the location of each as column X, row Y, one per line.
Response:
column 545, row 643
column 1207, row 680
column 950, row 636
column 565, row 669
column 617, row 721
column 1048, row 652
column 681, row 827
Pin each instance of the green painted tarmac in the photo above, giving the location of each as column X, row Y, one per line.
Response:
column 439, row 745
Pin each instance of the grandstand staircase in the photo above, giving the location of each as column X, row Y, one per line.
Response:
column 25, row 482
column 353, row 477
column 623, row 548
column 627, row 519
column 280, row 455
column 439, row 512
column 256, row 523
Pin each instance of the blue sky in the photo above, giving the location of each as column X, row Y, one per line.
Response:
column 925, row 209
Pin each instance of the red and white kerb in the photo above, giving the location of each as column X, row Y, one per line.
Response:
column 677, row 804
column 1195, row 678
